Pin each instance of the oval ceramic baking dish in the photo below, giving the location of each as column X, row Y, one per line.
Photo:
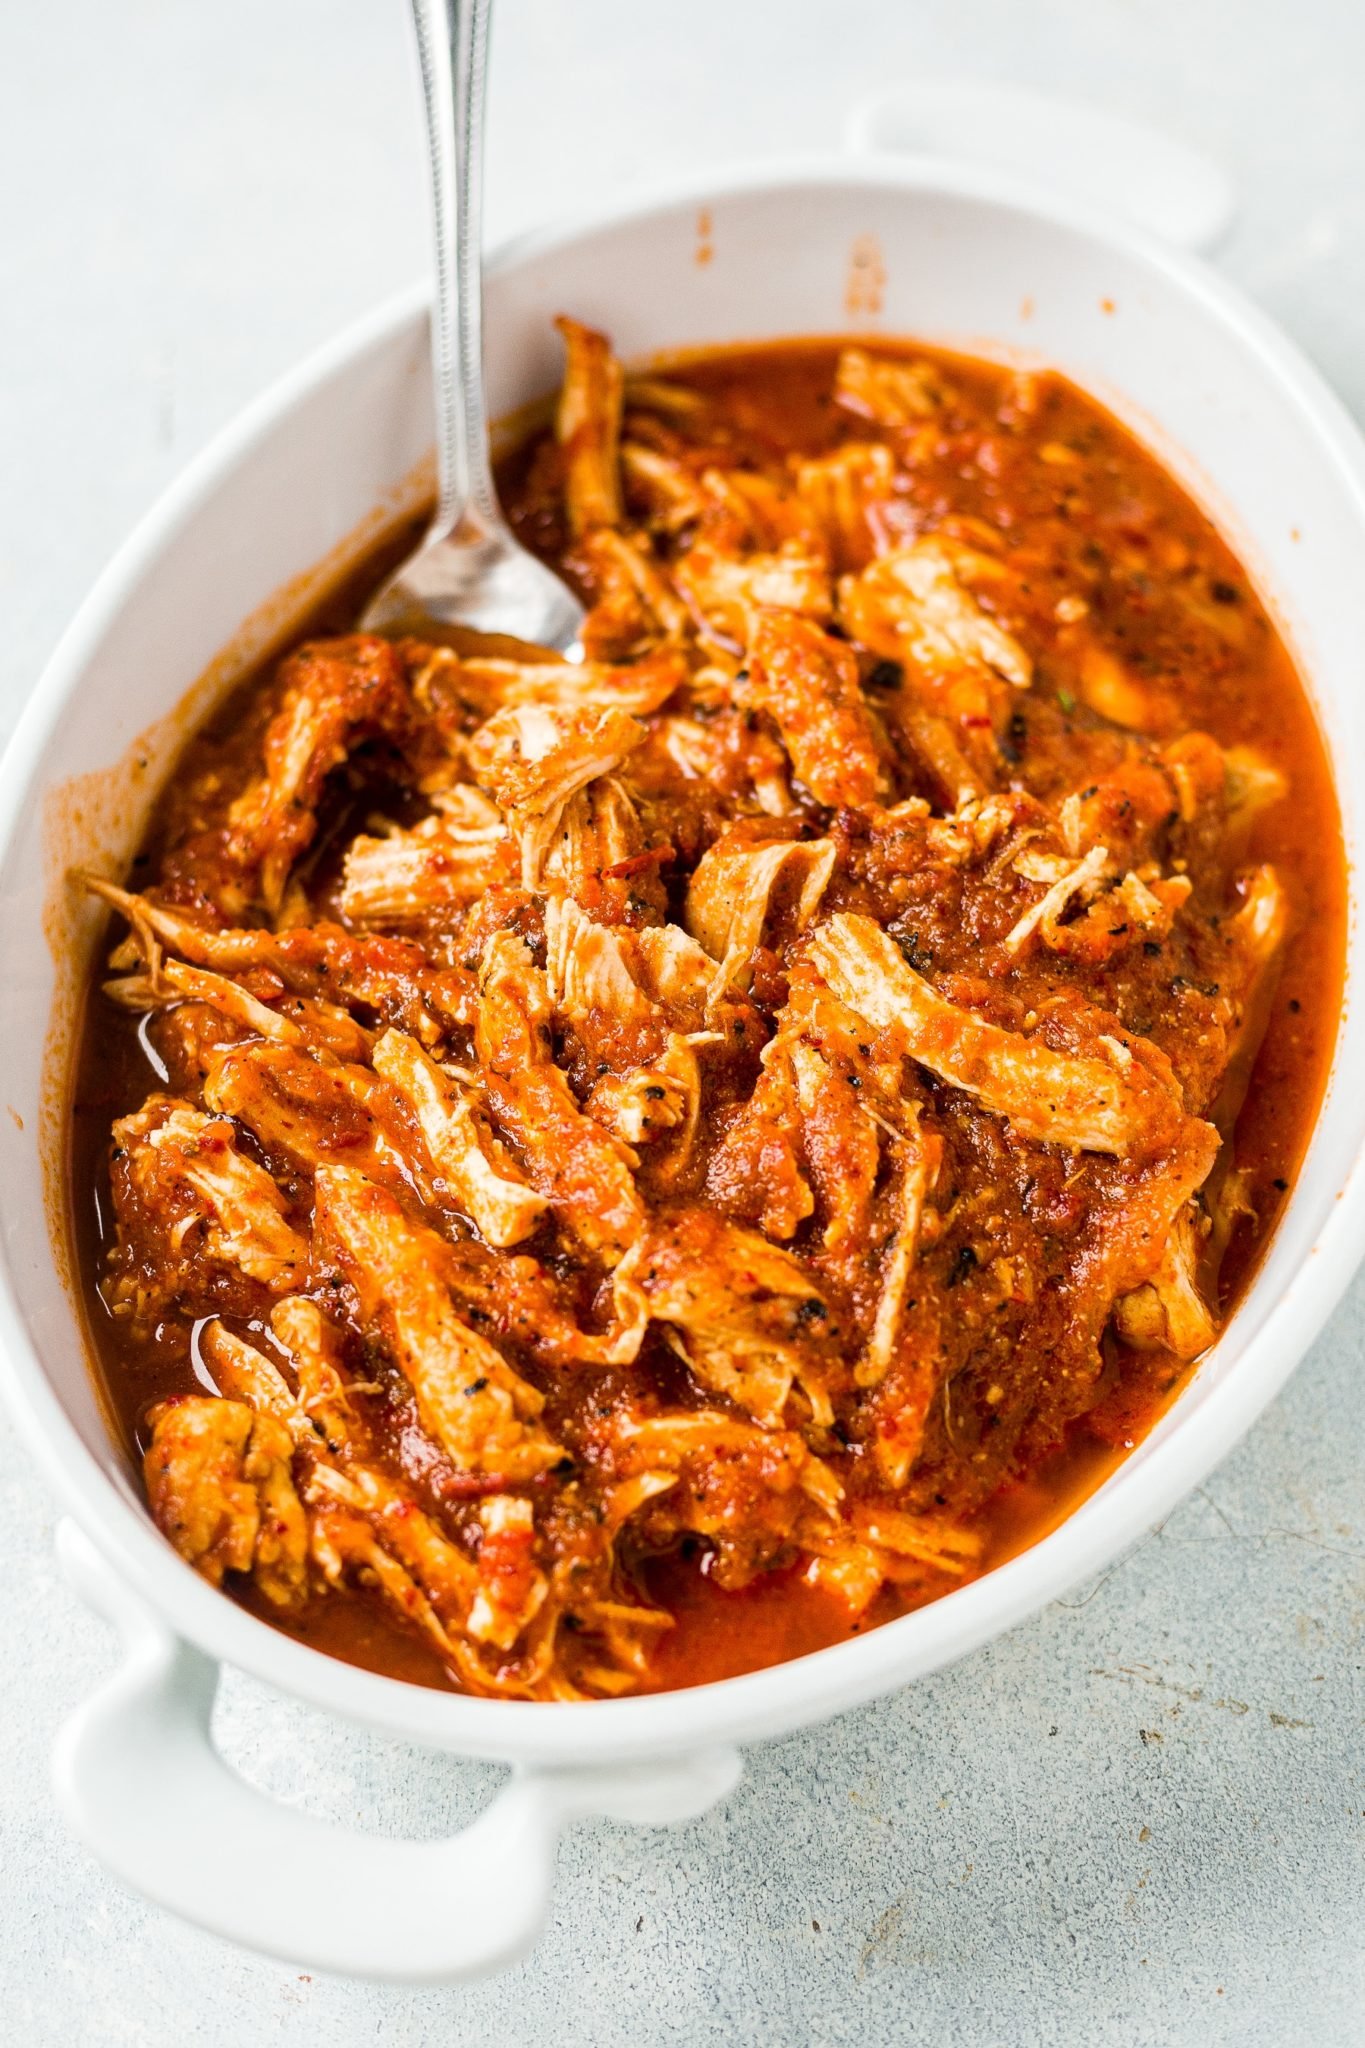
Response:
column 910, row 246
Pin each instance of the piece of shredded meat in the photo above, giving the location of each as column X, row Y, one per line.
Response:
column 729, row 1098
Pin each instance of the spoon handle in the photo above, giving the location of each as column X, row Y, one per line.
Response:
column 452, row 49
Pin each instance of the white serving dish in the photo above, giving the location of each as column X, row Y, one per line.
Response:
column 972, row 258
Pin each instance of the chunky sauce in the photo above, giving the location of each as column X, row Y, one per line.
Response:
column 1064, row 687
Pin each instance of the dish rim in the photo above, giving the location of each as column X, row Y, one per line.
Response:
column 781, row 1697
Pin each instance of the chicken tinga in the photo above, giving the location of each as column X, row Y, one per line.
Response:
column 608, row 1174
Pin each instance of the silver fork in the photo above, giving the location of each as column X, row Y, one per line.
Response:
column 469, row 570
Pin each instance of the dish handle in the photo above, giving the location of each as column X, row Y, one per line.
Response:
column 140, row 1781
column 1164, row 186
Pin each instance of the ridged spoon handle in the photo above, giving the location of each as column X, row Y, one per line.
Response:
column 452, row 46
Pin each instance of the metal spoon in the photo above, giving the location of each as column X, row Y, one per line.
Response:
column 469, row 570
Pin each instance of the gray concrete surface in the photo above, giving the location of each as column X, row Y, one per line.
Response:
column 1138, row 1819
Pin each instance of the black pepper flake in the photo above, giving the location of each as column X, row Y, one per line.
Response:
column 1151, row 948
column 1295, row 1005
column 965, row 1261
column 1281, row 1186
column 475, row 1387
column 885, row 675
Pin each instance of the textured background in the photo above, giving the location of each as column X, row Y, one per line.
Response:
column 1140, row 1818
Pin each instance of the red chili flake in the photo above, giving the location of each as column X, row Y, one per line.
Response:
column 638, row 863
column 469, row 1485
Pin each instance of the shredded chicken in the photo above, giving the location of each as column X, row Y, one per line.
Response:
column 533, row 760
column 842, row 492
column 915, row 1163
column 304, row 1113
column 1102, row 1102
column 753, row 1321
column 405, row 878
column 579, row 1167
column 635, row 606
column 732, row 891
column 332, row 696
column 588, row 426
column 809, row 684
column 725, row 592
column 731, row 1103
column 1168, row 1311
column 187, row 1171
column 479, row 1169
column 476, row 1406
column 917, row 606
column 887, row 389
column 219, row 1483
